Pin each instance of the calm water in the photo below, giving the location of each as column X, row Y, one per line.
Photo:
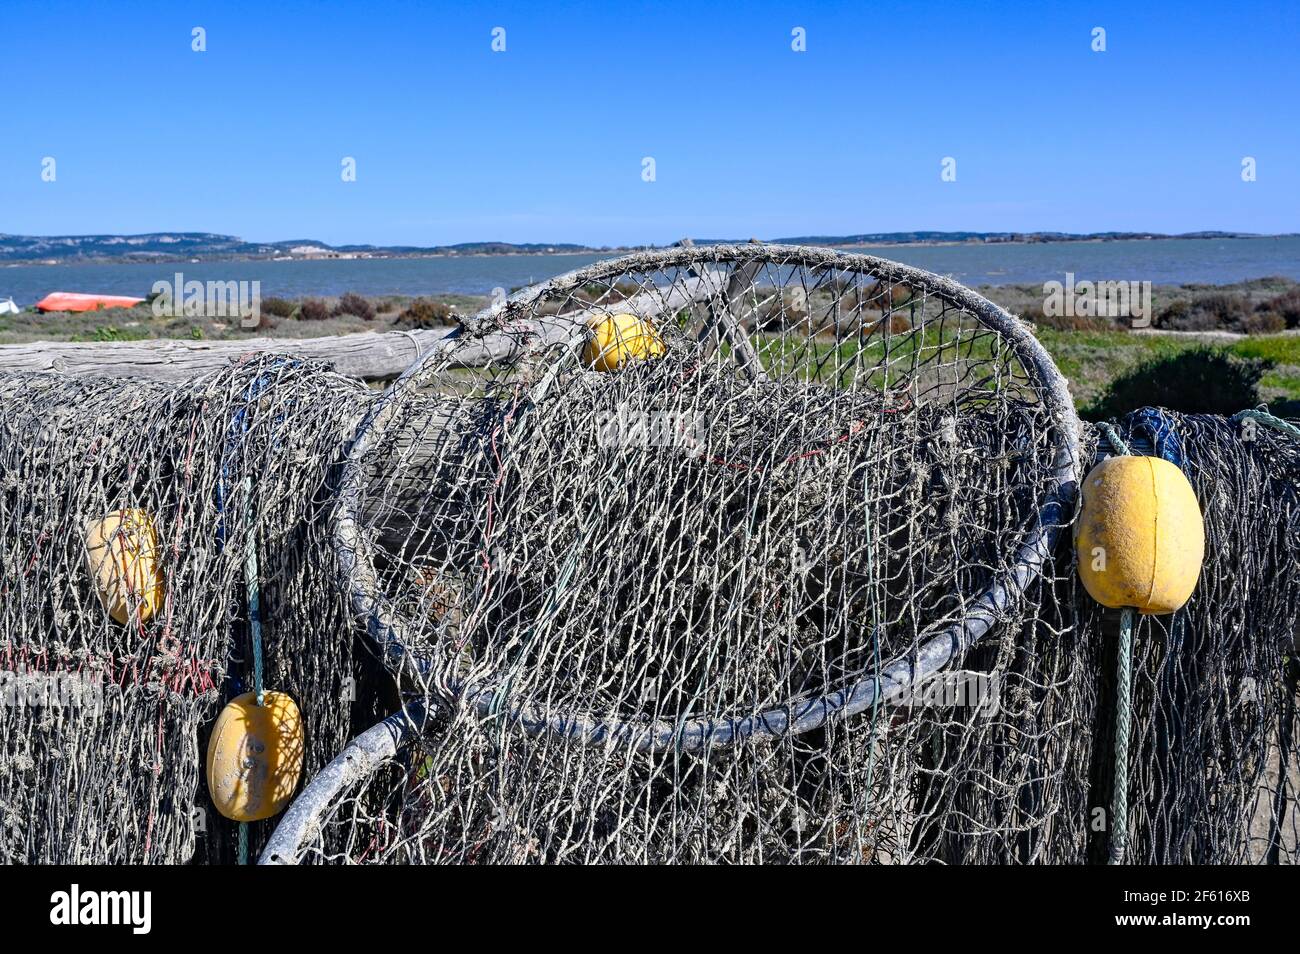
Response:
column 1214, row 261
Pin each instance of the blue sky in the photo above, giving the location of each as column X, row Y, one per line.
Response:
column 545, row 141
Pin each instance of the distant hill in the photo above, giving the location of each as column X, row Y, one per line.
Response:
column 898, row 238
column 155, row 246
column 209, row 246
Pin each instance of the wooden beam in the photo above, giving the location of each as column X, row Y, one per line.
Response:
column 370, row 356
column 725, row 318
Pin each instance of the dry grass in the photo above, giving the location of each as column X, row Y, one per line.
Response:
column 277, row 321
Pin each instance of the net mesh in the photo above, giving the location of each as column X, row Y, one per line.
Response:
column 746, row 554
column 104, row 722
column 633, row 597
column 1212, row 767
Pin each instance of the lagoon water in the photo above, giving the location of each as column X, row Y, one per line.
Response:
column 1162, row 261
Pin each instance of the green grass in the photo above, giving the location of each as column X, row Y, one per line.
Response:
column 1281, row 349
column 112, row 333
column 826, row 362
column 139, row 323
column 1091, row 359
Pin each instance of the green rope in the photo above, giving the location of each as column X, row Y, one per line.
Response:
column 1117, row 443
column 1123, row 714
column 1123, row 702
column 254, row 626
column 1268, row 420
column 254, row 592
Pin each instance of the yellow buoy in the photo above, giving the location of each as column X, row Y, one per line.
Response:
column 255, row 756
column 122, row 554
column 618, row 340
column 1140, row 536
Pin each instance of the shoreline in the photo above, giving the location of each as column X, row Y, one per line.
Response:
column 1217, row 262
column 614, row 251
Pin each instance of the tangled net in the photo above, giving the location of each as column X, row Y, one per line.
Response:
column 791, row 587
column 104, row 721
column 1212, row 769
column 669, row 613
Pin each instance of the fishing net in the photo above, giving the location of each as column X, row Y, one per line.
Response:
column 136, row 522
column 733, row 554
column 1212, row 768
column 694, row 607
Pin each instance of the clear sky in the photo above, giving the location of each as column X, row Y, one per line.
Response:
column 545, row 141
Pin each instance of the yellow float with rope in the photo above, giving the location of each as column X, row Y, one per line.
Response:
column 1140, row 535
column 1140, row 540
column 255, row 756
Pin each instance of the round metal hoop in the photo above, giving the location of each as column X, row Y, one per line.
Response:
column 386, row 629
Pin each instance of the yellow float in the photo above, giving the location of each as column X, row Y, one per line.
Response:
column 255, row 756
column 1140, row 537
column 122, row 555
column 618, row 340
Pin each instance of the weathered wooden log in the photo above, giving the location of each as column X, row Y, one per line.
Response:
column 727, row 317
column 369, row 356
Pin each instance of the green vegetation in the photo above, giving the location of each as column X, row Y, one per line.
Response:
column 1196, row 381
column 1233, row 311
column 1091, row 360
column 425, row 313
column 112, row 333
column 278, row 307
column 1287, row 305
column 314, row 309
column 1100, row 358
column 1259, row 306
column 356, row 306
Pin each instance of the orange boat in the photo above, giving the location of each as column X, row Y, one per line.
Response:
column 73, row 301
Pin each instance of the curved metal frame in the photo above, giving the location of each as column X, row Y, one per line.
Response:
column 896, row 675
column 358, row 760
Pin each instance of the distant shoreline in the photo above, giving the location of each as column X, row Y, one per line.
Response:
column 1207, row 261
column 91, row 249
